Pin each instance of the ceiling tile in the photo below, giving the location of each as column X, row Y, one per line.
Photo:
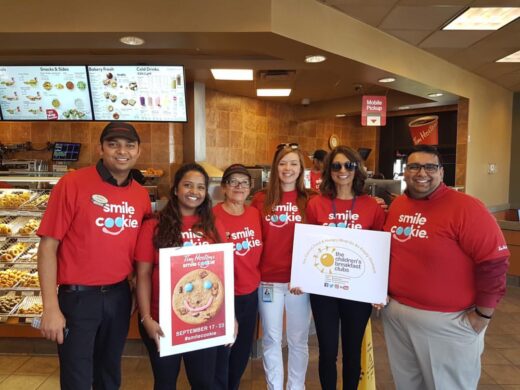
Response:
column 387, row 3
column 436, row 2
column 496, row 3
column 419, row 18
column 369, row 14
column 510, row 81
column 498, row 70
column 410, row 36
column 453, row 38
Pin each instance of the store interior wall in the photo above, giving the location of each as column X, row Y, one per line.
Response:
column 514, row 193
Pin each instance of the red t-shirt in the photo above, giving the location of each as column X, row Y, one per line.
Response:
column 363, row 213
column 97, row 225
column 145, row 251
column 245, row 232
column 315, row 180
column 278, row 235
column 436, row 244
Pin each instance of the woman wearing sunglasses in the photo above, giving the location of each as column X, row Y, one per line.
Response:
column 342, row 204
column 282, row 204
column 242, row 225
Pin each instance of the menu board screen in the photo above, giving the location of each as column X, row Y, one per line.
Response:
column 138, row 93
column 44, row 93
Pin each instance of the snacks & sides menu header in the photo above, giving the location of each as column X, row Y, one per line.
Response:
column 138, row 93
column 44, row 93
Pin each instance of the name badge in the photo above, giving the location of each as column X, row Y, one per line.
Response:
column 267, row 294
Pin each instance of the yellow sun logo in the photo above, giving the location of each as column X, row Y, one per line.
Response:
column 327, row 259
column 324, row 259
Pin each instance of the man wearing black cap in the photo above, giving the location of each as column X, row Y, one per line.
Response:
column 88, row 235
column 317, row 160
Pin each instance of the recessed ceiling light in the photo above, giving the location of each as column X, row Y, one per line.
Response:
column 435, row 94
column 404, row 108
column 484, row 18
column 515, row 57
column 132, row 41
column 315, row 59
column 387, row 80
column 273, row 92
column 340, row 115
column 232, row 74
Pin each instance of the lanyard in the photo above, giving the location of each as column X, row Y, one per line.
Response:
column 347, row 215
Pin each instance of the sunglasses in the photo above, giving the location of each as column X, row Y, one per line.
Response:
column 349, row 166
column 293, row 146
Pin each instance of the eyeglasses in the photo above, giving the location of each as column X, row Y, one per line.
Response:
column 293, row 146
column 428, row 168
column 235, row 183
column 349, row 166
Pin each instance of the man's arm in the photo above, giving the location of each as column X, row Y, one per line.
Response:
column 53, row 321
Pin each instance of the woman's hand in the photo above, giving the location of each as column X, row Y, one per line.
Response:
column 295, row 290
column 153, row 329
column 379, row 306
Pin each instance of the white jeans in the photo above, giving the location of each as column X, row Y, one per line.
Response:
column 298, row 316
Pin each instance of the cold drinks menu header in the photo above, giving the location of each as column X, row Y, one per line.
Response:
column 44, row 93
column 138, row 93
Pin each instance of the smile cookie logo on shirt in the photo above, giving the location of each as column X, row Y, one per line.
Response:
column 119, row 218
column 409, row 226
column 191, row 238
column 243, row 241
column 283, row 214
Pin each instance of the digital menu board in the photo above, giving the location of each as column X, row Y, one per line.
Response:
column 138, row 93
column 44, row 93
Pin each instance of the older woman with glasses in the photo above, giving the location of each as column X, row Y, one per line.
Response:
column 242, row 225
column 282, row 204
column 342, row 204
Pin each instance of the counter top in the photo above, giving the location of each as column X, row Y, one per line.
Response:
column 509, row 225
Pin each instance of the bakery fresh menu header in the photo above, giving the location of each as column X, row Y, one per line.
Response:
column 44, row 93
column 138, row 93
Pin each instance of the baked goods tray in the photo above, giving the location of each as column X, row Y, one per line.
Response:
column 19, row 226
column 19, row 278
column 12, row 199
column 29, row 308
column 9, row 302
column 18, row 251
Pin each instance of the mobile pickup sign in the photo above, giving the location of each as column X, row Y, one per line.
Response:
column 373, row 111
column 342, row 263
column 196, row 297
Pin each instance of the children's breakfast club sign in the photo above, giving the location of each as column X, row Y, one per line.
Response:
column 343, row 263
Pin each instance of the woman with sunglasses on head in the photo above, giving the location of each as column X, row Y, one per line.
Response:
column 282, row 204
column 242, row 225
column 343, row 204
column 187, row 219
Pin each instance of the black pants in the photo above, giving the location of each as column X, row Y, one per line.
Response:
column 328, row 313
column 199, row 365
column 231, row 363
column 97, row 322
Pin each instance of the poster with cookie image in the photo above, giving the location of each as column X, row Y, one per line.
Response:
column 343, row 263
column 196, row 297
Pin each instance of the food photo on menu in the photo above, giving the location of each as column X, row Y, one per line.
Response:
column 138, row 93
column 44, row 93
column 196, row 298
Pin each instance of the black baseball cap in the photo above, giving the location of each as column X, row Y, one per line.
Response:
column 235, row 168
column 319, row 154
column 119, row 130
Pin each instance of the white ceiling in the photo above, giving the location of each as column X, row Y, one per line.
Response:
column 420, row 22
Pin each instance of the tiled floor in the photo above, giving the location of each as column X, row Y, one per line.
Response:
column 501, row 361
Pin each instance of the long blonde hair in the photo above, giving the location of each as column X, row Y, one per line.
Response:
column 273, row 192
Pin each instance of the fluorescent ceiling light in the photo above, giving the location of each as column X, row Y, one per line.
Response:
column 273, row 92
column 340, row 115
column 232, row 74
column 484, row 18
column 315, row 59
column 435, row 94
column 515, row 57
column 404, row 107
column 132, row 41
column 387, row 80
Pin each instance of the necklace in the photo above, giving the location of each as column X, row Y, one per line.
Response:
column 348, row 214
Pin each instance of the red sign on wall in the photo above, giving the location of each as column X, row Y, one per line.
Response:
column 373, row 111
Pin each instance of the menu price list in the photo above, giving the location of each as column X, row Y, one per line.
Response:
column 44, row 93
column 138, row 93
